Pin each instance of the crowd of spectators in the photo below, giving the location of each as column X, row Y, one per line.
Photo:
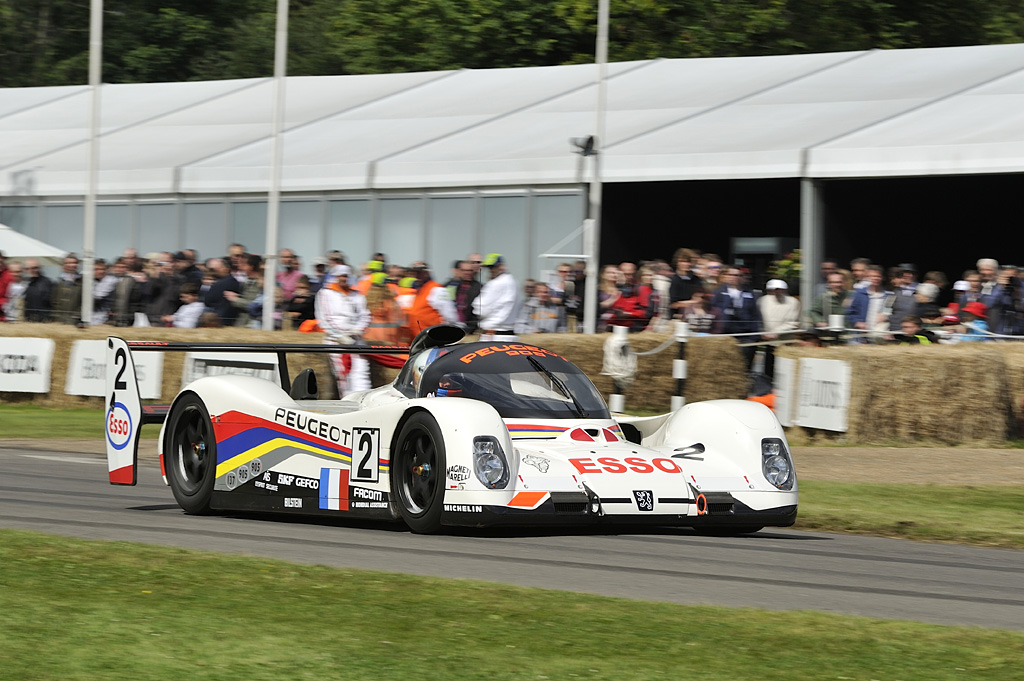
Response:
column 711, row 295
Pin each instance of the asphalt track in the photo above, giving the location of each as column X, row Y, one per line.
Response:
column 67, row 493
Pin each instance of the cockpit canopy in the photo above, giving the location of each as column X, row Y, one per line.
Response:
column 520, row 381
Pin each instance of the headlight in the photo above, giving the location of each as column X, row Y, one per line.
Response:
column 776, row 464
column 489, row 462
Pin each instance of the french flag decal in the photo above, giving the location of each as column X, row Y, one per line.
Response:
column 334, row 489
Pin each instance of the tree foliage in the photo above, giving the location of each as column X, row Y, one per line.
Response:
column 45, row 42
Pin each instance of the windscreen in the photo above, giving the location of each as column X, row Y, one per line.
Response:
column 521, row 386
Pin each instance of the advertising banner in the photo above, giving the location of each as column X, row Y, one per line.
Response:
column 824, row 394
column 87, row 370
column 782, row 387
column 25, row 364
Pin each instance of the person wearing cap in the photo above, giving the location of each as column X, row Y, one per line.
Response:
column 780, row 314
column 974, row 321
column 497, row 304
column 430, row 304
column 342, row 314
column 369, row 269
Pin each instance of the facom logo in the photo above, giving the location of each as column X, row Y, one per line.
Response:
column 119, row 426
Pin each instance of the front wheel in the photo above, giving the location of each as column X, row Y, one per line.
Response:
column 417, row 473
column 190, row 454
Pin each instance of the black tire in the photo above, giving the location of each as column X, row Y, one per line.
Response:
column 190, row 454
column 418, row 473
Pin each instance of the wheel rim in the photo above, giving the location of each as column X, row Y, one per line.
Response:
column 191, row 449
column 420, row 474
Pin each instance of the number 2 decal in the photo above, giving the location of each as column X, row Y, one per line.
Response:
column 365, row 454
column 120, row 359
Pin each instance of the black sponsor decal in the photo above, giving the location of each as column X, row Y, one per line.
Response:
column 306, row 424
column 287, row 480
column 458, row 473
column 19, row 364
column 463, row 508
column 644, row 499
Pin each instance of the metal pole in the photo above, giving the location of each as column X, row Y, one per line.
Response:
column 274, row 199
column 811, row 241
column 592, row 230
column 89, row 234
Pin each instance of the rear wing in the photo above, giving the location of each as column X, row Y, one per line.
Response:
column 125, row 413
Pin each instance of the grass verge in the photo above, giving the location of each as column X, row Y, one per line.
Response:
column 74, row 609
column 986, row 516
column 28, row 421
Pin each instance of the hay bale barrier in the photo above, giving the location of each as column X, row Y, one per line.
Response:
column 963, row 394
column 939, row 394
column 64, row 335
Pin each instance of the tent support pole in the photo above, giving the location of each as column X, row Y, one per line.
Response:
column 89, row 229
column 812, row 239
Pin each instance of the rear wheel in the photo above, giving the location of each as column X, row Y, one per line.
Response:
column 190, row 454
column 417, row 473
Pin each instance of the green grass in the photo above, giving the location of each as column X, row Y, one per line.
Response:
column 27, row 421
column 989, row 515
column 73, row 609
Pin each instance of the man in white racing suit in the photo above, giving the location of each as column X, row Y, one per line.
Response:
column 342, row 314
column 497, row 304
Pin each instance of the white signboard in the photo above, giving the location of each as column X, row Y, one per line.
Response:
column 824, row 394
column 782, row 387
column 258, row 364
column 25, row 365
column 87, row 370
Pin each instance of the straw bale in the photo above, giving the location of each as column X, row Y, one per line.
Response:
column 715, row 366
column 64, row 335
column 933, row 394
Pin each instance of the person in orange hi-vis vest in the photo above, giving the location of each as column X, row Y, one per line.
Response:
column 430, row 304
column 366, row 281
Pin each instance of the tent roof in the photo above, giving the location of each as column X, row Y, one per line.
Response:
column 849, row 114
column 16, row 246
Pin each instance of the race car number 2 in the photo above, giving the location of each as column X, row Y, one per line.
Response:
column 365, row 454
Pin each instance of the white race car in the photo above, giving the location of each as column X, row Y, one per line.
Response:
column 468, row 434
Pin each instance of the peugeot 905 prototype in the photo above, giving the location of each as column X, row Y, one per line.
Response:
column 470, row 434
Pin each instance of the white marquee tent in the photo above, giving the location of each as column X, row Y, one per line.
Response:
column 854, row 114
column 943, row 111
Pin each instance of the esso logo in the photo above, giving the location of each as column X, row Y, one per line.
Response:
column 119, row 426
